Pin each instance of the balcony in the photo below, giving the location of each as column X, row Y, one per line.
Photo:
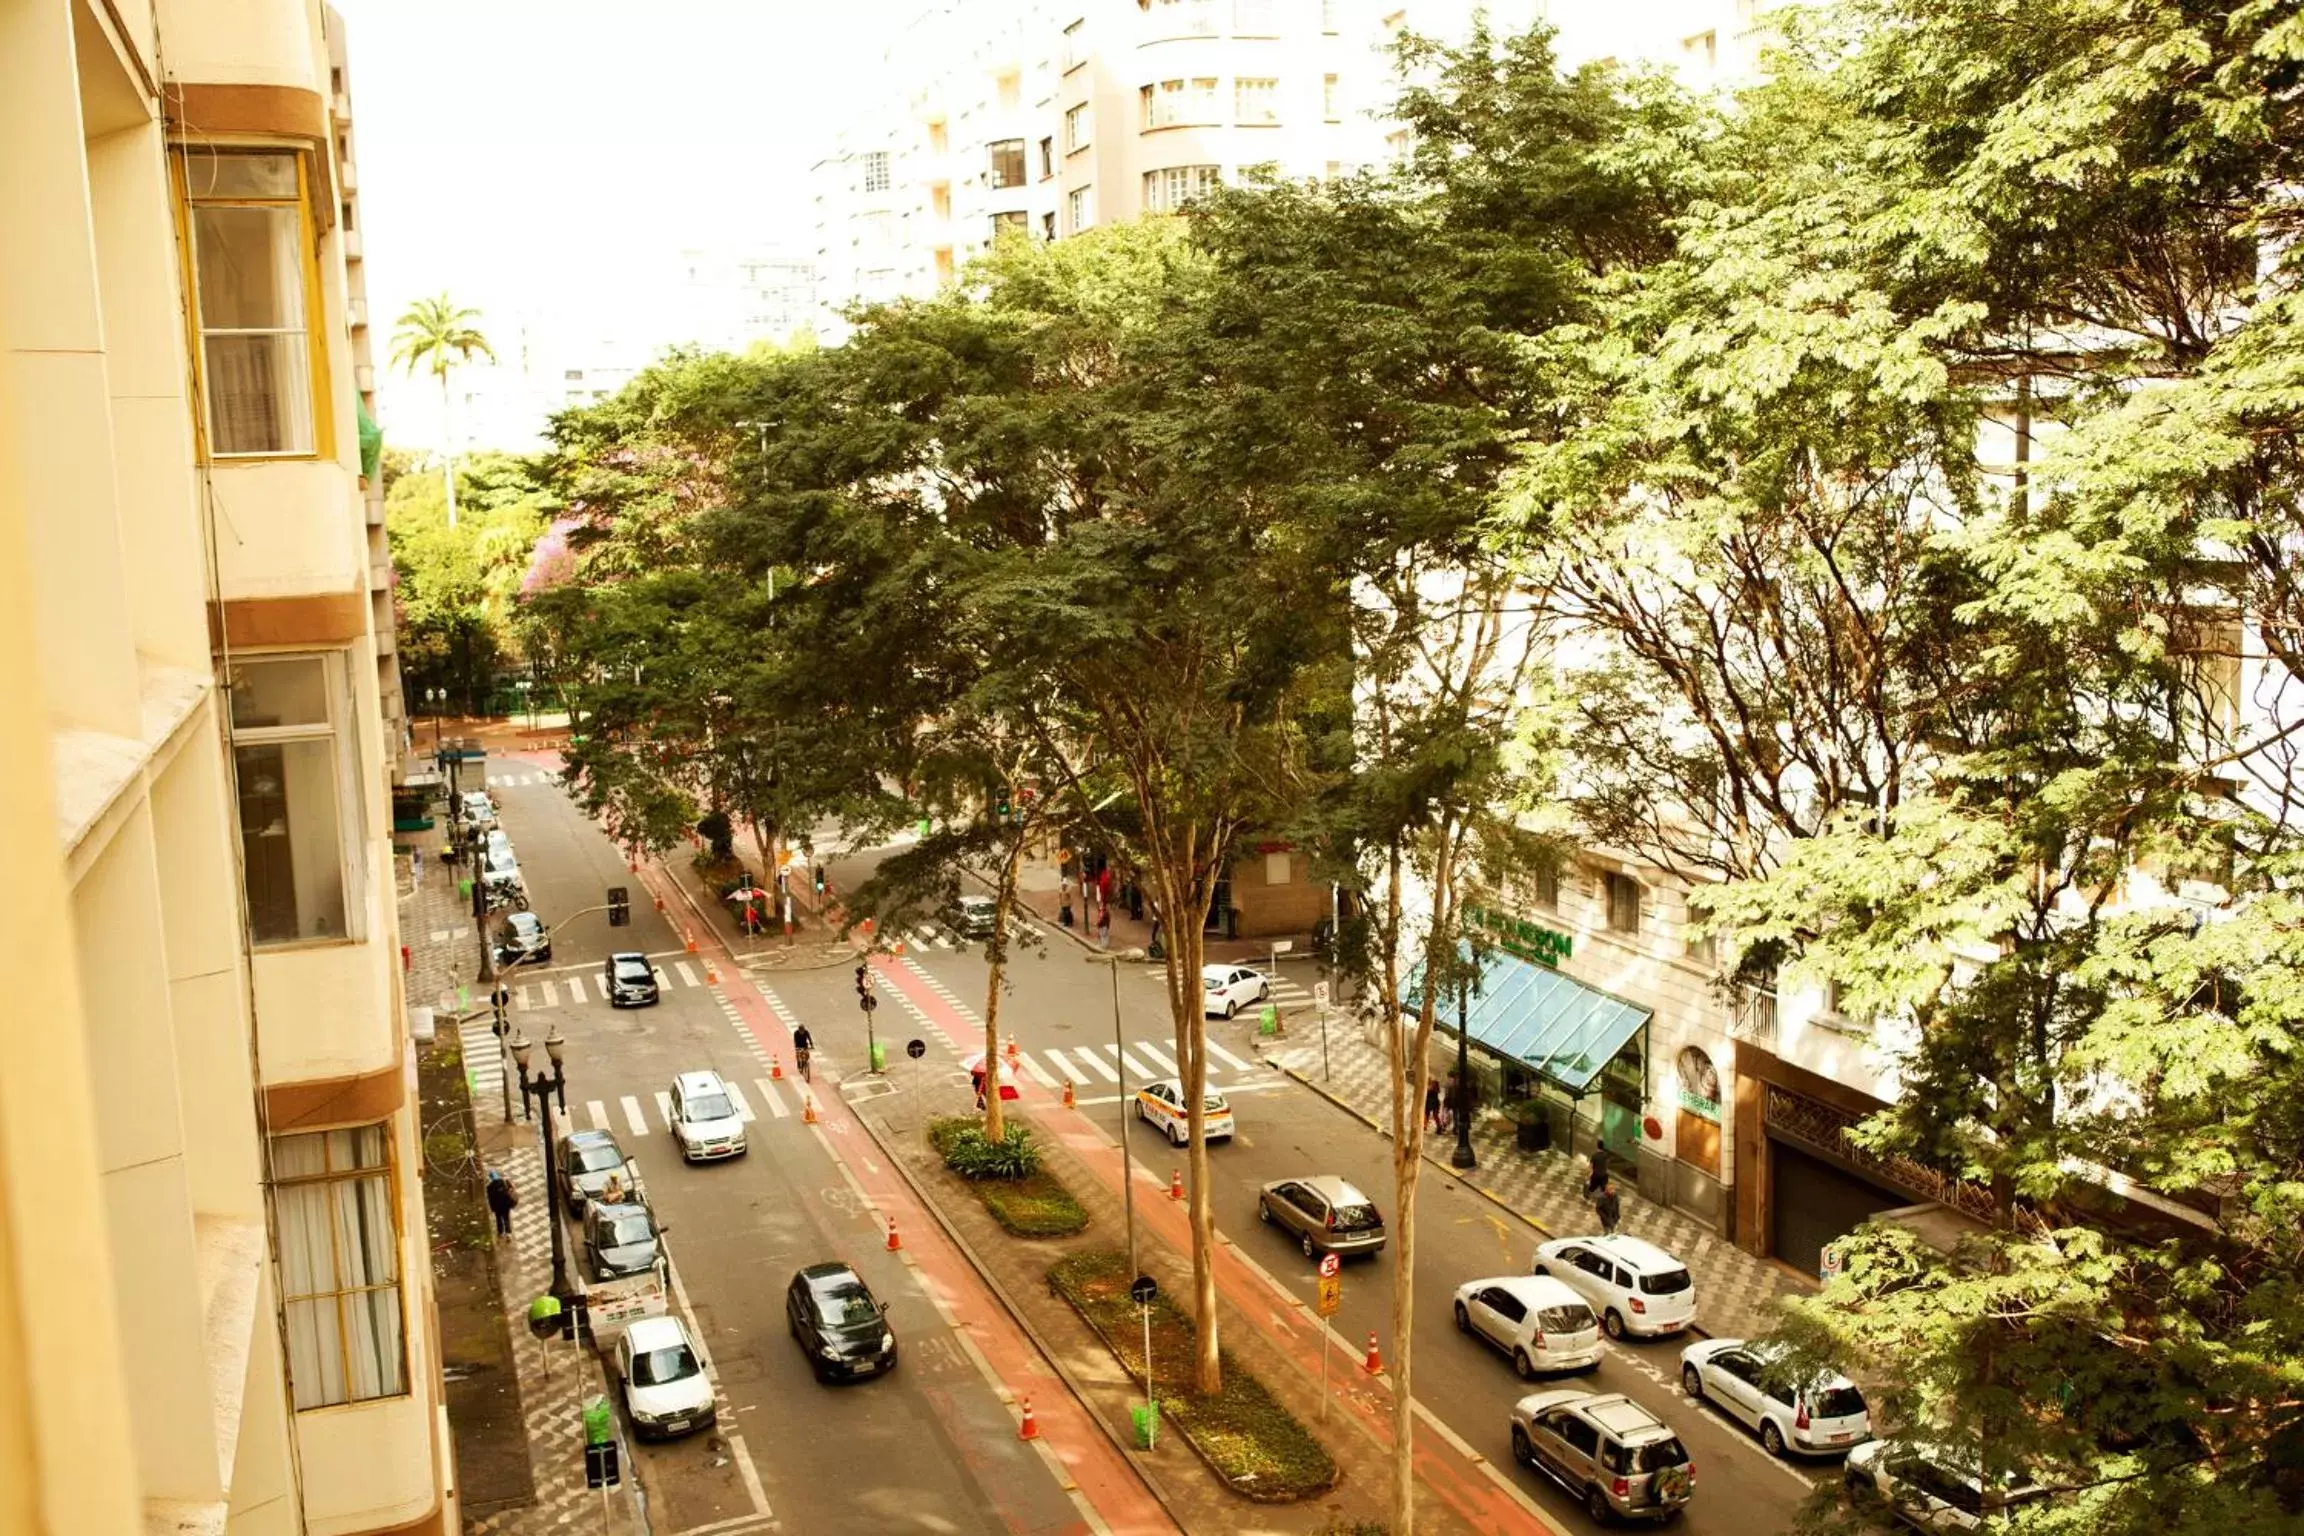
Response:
column 1755, row 1014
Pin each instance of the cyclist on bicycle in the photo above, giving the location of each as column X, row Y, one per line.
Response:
column 802, row 1044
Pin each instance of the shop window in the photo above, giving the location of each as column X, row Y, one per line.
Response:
column 339, row 1238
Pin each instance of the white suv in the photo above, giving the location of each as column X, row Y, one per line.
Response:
column 1751, row 1383
column 705, row 1120
column 1636, row 1287
column 667, row 1389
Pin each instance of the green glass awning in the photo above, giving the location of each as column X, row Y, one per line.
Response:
column 1555, row 1026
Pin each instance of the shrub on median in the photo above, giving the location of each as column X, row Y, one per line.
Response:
column 968, row 1152
column 1260, row 1449
column 1006, row 1174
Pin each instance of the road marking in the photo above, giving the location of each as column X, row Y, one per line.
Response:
column 664, row 1107
column 687, row 976
column 523, row 997
column 734, row 1442
column 634, row 1116
column 662, row 981
column 1136, row 1069
column 1237, row 1064
column 1095, row 1062
column 552, row 993
column 775, row 1100
column 1037, row 1070
column 599, row 1113
column 1160, row 1055
column 743, row 1105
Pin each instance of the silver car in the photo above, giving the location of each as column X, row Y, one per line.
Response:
column 1607, row 1450
column 1326, row 1215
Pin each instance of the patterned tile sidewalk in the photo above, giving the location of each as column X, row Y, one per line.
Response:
column 1734, row 1289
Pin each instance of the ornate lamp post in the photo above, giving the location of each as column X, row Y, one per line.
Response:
column 544, row 1088
column 1463, row 1156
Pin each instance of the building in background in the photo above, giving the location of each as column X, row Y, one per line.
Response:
column 215, row 1282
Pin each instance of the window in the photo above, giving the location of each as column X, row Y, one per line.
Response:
column 1255, row 102
column 1397, row 143
column 1048, row 226
column 1075, row 46
column 1047, row 158
column 1002, row 223
column 1394, row 23
column 1076, row 127
column 1007, row 163
column 1328, row 107
column 1702, row 50
column 939, row 138
column 1169, row 102
column 1328, row 10
column 876, row 171
column 339, row 1265
column 1254, row 18
column 1276, row 864
column 1623, row 902
column 1164, row 192
column 1008, row 90
column 291, row 792
column 1547, row 885
column 1080, row 208
column 253, row 275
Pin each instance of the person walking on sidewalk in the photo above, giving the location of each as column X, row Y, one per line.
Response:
column 416, row 867
column 1595, row 1180
column 1431, row 1104
column 1609, row 1209
column 501, row 1198
column 1104, row 927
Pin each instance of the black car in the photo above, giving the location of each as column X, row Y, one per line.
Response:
column 838, row 1322
column 522, row 939
column 631, row 984
column 620, row 1240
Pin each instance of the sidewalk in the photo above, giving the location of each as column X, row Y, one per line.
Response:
column 1735, row 1290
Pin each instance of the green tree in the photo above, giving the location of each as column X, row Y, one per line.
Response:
column 456, row 588
column 434, row 335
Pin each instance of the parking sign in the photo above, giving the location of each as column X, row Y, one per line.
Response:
column 1329, row 1265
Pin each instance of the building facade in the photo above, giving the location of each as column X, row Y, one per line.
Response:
column 215, row 1292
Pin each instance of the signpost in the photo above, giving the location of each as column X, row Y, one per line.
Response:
column 1331, row 1297
column 1320, row 1001
column 915, row 1048
column 1143, row 1290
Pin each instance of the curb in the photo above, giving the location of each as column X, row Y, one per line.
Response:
column 1128, row 1456
column 1696, row 1329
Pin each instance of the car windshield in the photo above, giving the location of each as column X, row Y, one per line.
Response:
column 1214, row 1104
column 1566, row 1319
column 525, row 925
column 710, row 1106
column 618, row 1231
column 1670, row 1282
column 628, row 970
column 1837, row 1403
column 1652, row 1457
column 846, row 1306
column 1357, row 1218
column 659, row 1366
column 594, row 1159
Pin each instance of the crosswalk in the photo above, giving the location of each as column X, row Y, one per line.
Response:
column 576, row 989
column 513, row 780
column 628, row 1115
column 1287, row 994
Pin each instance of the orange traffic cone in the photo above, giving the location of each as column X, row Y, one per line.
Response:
column 1011, row 1053
column 659, row 901
column 1030, row 1428
column 711, row 974
column 1176, row 1184
column 775, row 1068
column 894, row 1242
column 1067, row 1093
column 808, row 1109
column 1375, row 1362
column 691, row 937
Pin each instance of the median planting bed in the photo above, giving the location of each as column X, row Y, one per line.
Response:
column 1006, row 1175
column 1259, row 1449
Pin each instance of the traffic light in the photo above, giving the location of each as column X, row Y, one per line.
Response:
column 863, row 981
column 500, row 1001
column 619, row 907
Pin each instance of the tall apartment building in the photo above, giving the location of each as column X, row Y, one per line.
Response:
column 215, row 1288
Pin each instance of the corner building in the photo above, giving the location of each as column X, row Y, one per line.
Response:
column 215, row 1290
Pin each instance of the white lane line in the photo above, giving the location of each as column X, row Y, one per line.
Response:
column 664, row 1107
column 1136, row 1069
column 634, row 1116
column 743, row 1105
column 1095, row 1063
column 734, row 1441
column 1226, row 1056
column 524, row 1004
column 552, row 994
column 1160, row 1055
column 687, row 976
column 773, row 1099
column 662, row 981
column 1038, row 1071
column 599, row 1113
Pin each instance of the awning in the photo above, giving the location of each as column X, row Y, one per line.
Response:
column 1557, row 1027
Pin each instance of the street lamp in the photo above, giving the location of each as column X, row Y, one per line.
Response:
column 544, row 1088
column 1113, row 963
column 1463, row 1156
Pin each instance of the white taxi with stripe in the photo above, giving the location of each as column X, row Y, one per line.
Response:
column 1162, row 1103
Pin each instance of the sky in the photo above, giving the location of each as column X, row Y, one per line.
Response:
column 536, row 153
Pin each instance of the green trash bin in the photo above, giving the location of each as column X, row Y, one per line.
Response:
column 1147, row 1417
column 1268, row 1022
column 599, row 1422
column 879, row 1057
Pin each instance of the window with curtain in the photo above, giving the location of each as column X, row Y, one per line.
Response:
column 252, row 268
column 1255, row 102
column 291, row 786
column 340, row 1265
column 1167, row 190
column 1007, row 163
column 1080, row 203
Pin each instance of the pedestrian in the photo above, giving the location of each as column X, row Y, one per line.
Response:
column 1608, row 1207
column 1598, row 1176
column 1431, row 1105
column 1135, row 902
column 416, row 865
column 976, row 1080
column 501, row 1198
column 1104, row 927
column 1064, row 889
column 1448, row 1106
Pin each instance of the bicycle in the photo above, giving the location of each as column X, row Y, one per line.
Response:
column 800, row 1063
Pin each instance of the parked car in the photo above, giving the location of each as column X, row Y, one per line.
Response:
column 1637, row 1288
column 1225, row 989
column 477, row 809
column 522, row 939
column 500, row 872
column 974, row 916
column 1163, row 1104
column 621, row 1239
column 1538, row 1323
column 1751, row 1384
column 499, row 842
column 630, row 982
column 704, row 1118
column 667, row 1390
column 1931, row 1487
column 844, row 1329
column 590, row 1161
column 1604, row 1448
column 1326, row 1214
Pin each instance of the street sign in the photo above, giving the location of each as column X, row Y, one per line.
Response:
column 1331, row 1294
column 1143, row 1289
column 1830, row 1268
column 600, row 1470
column 1282, row 946
column 1320, row 993
column 916, row 1049
column 1330, row 1266
column 867, row 1002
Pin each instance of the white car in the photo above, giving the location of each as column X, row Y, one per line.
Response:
column 500, row 844
column 478, row 809
column 1636, row 1287
column 1226, row 989
column 1163, row 1104
column 1931, row 1487
column 705, row 1120
column 1746, row 1382
column 499, row 871
column 666, row 1387
column 1537, row 1322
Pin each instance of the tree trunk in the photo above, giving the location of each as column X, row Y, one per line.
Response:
column 1003, row 902
column 1184, row 959
column 447, row 451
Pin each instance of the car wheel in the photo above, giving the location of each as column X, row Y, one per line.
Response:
column 1463, row 1319
column 1613, row 1321
column 1522, row 1365
column 1264, row 992
column 1263, row 1211
column 1692, row 1382
column 1311, row 1250
column 1597, row 1506
column 1178, row 1135
column 1231, row 1009
column 1861, row 1489
column 1538, row 1268
column 1771, row 1438
column 1522, row 1451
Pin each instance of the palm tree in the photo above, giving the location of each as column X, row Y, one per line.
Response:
column 437, row 334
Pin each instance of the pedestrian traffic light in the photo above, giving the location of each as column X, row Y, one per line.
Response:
column 500, row 1000
column 619, row 907
column 863, row 980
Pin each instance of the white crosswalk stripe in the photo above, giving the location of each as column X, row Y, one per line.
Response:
column 770, row 1097
column 1037, row 1070
column 743, row 1105
column 634, row 1116
column 686, row 975
column 1095, row 1064
column 552, row 993
column 1223, row 1055
column 664, row 1107
column 599, row 1113
column 1159, row 1053
column 662, row 980
column 1137, row 1071
column 521, row 998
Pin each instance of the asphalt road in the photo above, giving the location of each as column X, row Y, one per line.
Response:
column 1059, row 1009
column 928, row 1447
